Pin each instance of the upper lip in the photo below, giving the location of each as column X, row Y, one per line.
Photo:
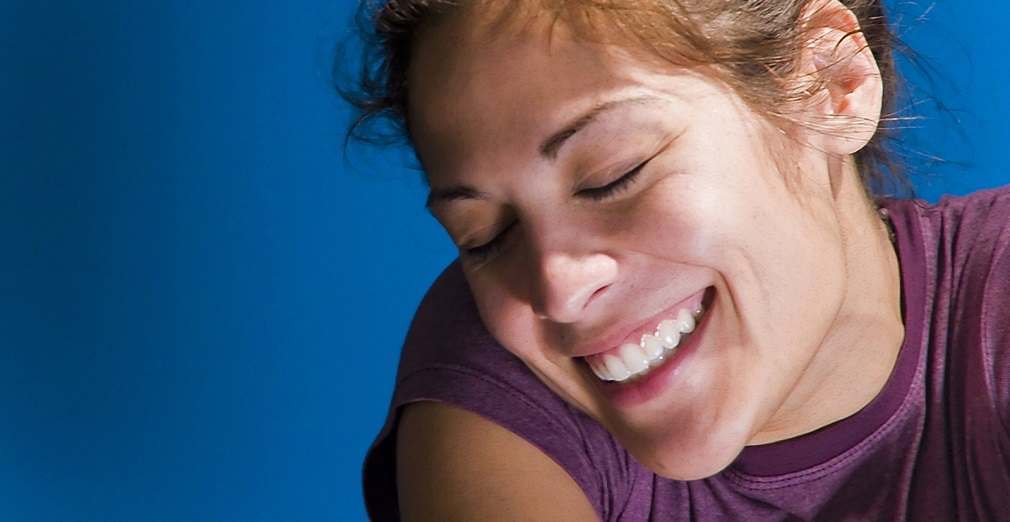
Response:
column 630, row 331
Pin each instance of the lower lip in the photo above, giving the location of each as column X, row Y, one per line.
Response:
column 646, row 388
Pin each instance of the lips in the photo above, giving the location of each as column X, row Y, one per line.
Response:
column 611, row 344
column 653, row 382
column 633, row 360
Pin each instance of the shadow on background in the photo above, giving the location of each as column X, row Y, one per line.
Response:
column 202, row 302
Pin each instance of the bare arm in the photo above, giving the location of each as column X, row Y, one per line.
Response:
column 452, row 464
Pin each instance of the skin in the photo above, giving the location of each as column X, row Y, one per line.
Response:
column 806, row 322
column 461, row 466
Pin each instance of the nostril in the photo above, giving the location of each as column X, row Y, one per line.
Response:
column 570, row 309
column 598, row 293
column 567, row 284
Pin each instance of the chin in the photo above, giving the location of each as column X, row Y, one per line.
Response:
column 688, row 458
column 691, row 465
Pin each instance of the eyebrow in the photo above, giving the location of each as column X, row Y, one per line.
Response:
column 552, row 145
column 454, row 193
column 549, row 148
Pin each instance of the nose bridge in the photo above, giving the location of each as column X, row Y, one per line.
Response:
column 568, row 270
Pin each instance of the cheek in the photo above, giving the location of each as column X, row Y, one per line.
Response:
column 775, row 256
column 507, row 318
column 679, row 220
column 513, row 324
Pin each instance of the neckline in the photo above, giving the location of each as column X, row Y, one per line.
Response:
column 819, row 446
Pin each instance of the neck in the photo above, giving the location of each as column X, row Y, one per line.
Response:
column 855, row 360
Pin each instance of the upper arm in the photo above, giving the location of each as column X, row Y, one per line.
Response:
column 452, row 464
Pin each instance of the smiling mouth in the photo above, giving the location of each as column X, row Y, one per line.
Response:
column 631, row 361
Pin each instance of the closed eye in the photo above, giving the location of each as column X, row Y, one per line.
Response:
column 614, row 187
column 488, row 249
column 484, row 251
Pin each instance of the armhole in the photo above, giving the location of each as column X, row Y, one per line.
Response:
column 550, row 427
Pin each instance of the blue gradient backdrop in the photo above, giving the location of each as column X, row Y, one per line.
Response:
column 201, row 302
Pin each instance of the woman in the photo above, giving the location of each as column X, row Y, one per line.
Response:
column 679, row 294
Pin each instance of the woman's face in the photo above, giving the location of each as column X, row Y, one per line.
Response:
column 594, row 193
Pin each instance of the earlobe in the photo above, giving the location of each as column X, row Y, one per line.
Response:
column 845, row 76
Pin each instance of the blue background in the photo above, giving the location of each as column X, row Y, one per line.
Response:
column 201, row 300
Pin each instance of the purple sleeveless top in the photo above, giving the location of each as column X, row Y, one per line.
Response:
column 933, row 445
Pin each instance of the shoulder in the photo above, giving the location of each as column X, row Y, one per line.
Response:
column 979, row 231
column 456, row 380
column 976, row 222
column 990, row 268
column 448, row 351
column 453, row 464
column 447, row 331
column 964, row 239
column 976, row 229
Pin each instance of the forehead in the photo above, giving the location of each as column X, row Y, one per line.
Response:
column 472, row 82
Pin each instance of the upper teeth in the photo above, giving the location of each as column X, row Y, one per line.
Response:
column 632, row 360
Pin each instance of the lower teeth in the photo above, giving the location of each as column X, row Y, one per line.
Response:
column 667, row 353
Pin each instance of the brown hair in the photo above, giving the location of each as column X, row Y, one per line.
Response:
column 752, row 46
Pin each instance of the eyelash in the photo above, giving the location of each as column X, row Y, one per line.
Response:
column 614, row 187
column 483, row 252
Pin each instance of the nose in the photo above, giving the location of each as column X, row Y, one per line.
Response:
column 567, row 283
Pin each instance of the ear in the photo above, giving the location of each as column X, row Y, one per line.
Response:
column 847, row 91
